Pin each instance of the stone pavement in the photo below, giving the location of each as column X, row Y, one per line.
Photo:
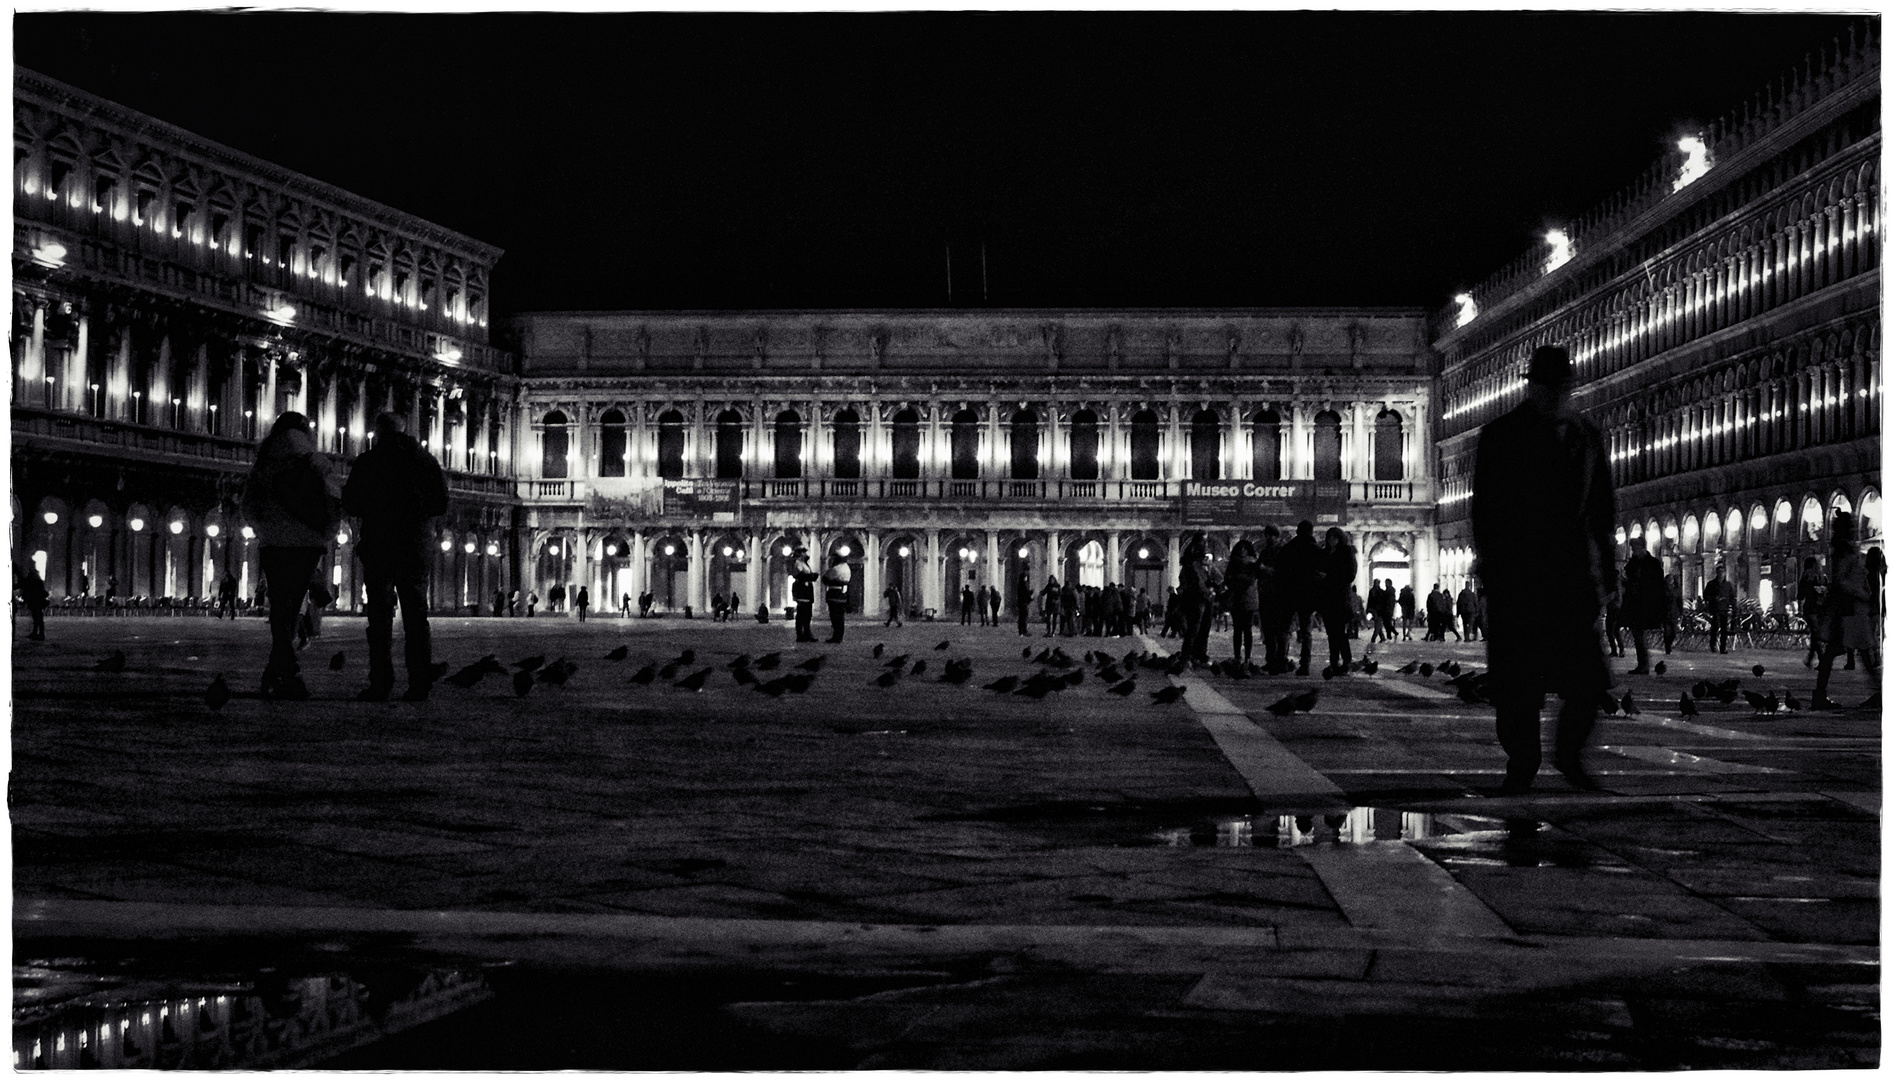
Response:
column 938, row 876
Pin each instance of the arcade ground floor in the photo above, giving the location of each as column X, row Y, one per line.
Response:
column 686, row 565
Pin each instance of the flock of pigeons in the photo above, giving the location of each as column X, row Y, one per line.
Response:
column 1058, row 671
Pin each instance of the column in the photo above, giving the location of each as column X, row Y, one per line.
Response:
column 753, row 576
column 930, row 578
column 1360, row 468
column 1174, row 449
column 1174, row 568
column 1298, row 467
column 34, row 370
column 582, row 540
column 1114, row 559
column 1054, row 566
column 693, row 573
column 995, row 569
column 75, row 378
column 871, row 601
column 266, row 408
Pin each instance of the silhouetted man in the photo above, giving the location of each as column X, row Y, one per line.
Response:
column 1542, row 525
column 835, row 581
column 1645, row 600
column 395, row 488
column 1298, row 572
column 1719, row 597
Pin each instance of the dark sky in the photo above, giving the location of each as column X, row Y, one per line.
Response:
column 827, row 160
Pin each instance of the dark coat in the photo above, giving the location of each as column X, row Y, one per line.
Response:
column 1338, row 567
column 1298, row 573
column 1244, row 580
column 1544, row 532
column 1646, row 599
column 395, row 488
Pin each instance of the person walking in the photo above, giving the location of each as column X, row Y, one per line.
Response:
column 966, row 606
column 1718, row 598
column 1298, row 573
column 993, row 601
column 1339, row 565
column 1374, row 596
column 1439, row 615
column 893, row 597
column 227, row 595
column 1672, row 610
column 1614, row 619
column 395, row 488
column 802, row 591
column 1543, row 524
column 1048, row 605
column 1192, row 602
column 1467, row 604
column 1645, row 600
column 583, row 602
column 532, row 602
column 1384, row 614
column 1853, row 604
column 1244, row 581
column 1272, row 610
column 33, row 595
column 1022, row 607
column 1408, row 610
column 835, row 582
column 1811, row 590
column 289, row 500
column 1356, row 611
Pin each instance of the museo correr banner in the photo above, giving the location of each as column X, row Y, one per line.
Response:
column 1264, row 502
column 718, row 500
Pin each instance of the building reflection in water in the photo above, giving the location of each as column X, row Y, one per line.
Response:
column 67, row 1019
column 1359, row 825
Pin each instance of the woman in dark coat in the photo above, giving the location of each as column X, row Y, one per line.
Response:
column 1338, row 567
column 1243, row 580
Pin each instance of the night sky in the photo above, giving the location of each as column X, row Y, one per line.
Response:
column 821, row 160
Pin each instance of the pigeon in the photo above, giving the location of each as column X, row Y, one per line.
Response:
column 1370, row 666
column 1109, row 673
column 618, row 653
column 877, row 651
column 743, row 676
column 338, row 661
column 774, row 687
column 1044, row 657
column 1687, row 706
column 1003, row 685
column 1725, row 693
column 1470, row 694
column 1771, row 703
column 769, row 662
column 1759, row 670
column 113, row 664
column 1168, row 695
column 217, row 695
column 1131, row 660
column 919, row 666
column 558, row 671
column 741, row 662
column 1700, row 690
column 522, row 682
column 1074, row 676
column 957, row 675
column 812, row 664
column 645, row 675
column 1026, row 653
column 1409, row 669
column 670, row 670
column 1662, row 668
column 943, row 646
column 1178, row 665
column 800, row 681
column 1037, row 689
column 1284, row 707
column 694, row 681
column 1755, row 701
column 530, row 662
column 1124, row 689
column 1426, row 671
column 471, row 674
column 1305, row 701
column 688, row 656
column 898, row 661
column 1329, row 672
column 1630, row 706
column 1451, row 667
column 1609, row 705
column 1790, row 702
column 888, row 678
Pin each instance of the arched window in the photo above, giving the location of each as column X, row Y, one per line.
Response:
column 1025, row 445
column 611, row 444
column 670, row 445
column 552, row 459
column 1144, row 444
column 788, row 445
column 1206, row 446
column 965, row 445
column 1084, row 445
column 847, row 445
column 1387, row 439
column 1327, row 445
column 906, row 445
column 1268, row 445
column 729, row 445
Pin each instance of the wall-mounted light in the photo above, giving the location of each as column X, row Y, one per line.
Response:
column 177, row 527
column 470, row 547
column 611, row 549
column 282, row 314
column 448, row 354
column 552, row 549
column 843, row 551
column 137, row 524
column 50, row 253
column 492, row 549
column 670, row 549
column 51, row 518
column 341, row 536
column 787, row 550
column 1143, row 553
column 728, row 551
column 1025, row 553
column 212, row 531
column 446, row 545
column 904, row 551
column 249, row 533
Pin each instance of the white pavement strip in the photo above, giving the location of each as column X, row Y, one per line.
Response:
column 1413, row 690
column 1691, row 763
column 1266, row 766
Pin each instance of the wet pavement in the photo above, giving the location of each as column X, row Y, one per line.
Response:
column 603, row 874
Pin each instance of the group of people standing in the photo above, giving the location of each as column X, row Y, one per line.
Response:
column 1275, row 587
column 1109, row 610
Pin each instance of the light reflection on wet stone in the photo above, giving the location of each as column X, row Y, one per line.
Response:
column 1359, row 825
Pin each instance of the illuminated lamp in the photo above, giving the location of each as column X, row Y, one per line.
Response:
column 1669, row 531
column 1560, row 249
column 1695, row 162
column 341, row 536
column 552, row 549
column 1468, row 310
column 1143, row 553
column 1025, row 553
column 904, row 551
column 52, row 518
column 177, row 527
column 728, row 551
column 492, row 549
column 212, row 531
column 249, row 533
column 470, row 547
column 446, row 545
column 787, row 550
column 841, row 551
column 50, row 253
column 137, row 524
column 670, row 549
column 611, row 549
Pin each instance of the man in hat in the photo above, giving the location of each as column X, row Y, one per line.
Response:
column 802, row 591
column 1298, row 573
column 1543, row 512
column 835, row 581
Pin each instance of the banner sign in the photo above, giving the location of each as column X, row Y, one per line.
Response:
column 1264, row 502
column 718, row 500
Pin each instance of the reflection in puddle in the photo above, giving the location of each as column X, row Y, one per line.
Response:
column 65, row 1017
column 1360, row 825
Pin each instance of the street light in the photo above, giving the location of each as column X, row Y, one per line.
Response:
column 670, row 549
column 249, row 533
column 137, row 524
column 842, row 551
column 492, row 549
column 552, row 549
column 212, row 531
column 728, row 551
column 470, row 547
column 446, row 545
column 177, row 527
column 905, row 551
column 52, row 518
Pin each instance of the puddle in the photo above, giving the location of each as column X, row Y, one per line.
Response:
column 1358, row 825
column 75, row 1014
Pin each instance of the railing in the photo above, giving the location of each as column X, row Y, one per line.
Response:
column 783, row 492
column 551, row 490
column 1383, row 491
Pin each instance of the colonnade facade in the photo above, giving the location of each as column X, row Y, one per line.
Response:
column 1725, row 332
